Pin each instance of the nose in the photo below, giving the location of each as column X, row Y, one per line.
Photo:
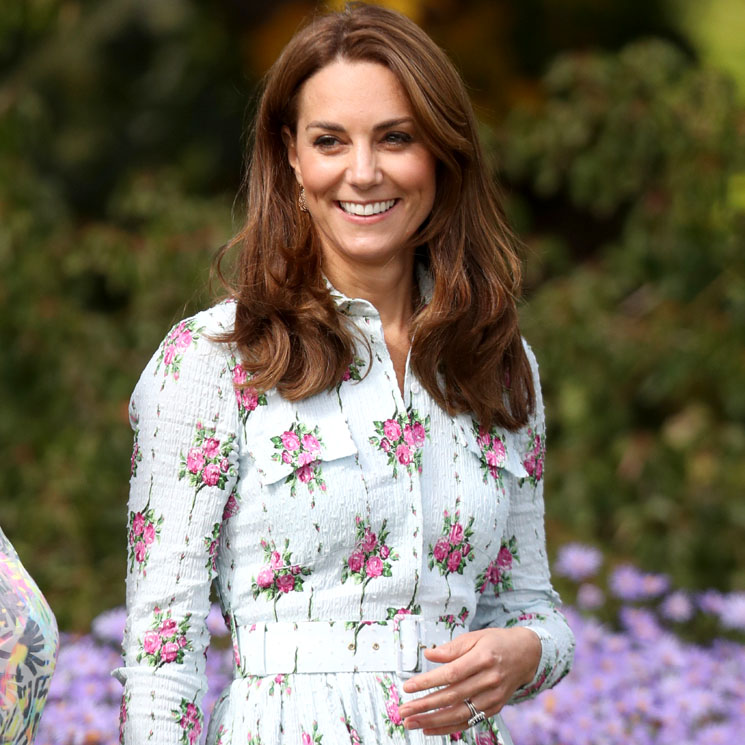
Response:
column 363, row 170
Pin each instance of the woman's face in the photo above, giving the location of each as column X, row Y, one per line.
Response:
column 369, row 179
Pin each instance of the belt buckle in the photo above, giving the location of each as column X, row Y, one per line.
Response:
column 409, row 632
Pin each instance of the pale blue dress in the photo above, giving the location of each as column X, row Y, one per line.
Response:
column 355, row 505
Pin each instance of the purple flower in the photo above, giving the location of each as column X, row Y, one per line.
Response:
column 732, row 615
column 577, row 561
column 677, row 607
column 109, row 625
column 590, row 596
column 629, row 584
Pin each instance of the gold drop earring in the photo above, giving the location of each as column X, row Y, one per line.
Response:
column 301, row 200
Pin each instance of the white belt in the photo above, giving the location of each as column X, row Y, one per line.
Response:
column 328, row 647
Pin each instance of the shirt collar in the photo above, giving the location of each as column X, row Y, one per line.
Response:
column 361, row 307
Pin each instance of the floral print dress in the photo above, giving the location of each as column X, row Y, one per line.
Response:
column 357, row 506
column 28, row 649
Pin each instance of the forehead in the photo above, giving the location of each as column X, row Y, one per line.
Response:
column 355, row 91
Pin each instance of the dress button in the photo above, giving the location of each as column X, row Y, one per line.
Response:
column 415, row 388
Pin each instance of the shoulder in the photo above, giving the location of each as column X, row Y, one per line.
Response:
column 191, row 353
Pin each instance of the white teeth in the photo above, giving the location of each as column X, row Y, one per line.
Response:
column 371, row 208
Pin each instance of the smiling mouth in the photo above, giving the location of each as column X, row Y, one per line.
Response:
column 365, row 210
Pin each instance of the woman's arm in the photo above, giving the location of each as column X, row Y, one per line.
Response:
column 520, row 643
column 184, row 465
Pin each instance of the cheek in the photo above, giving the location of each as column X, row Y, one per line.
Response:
column 318, row 174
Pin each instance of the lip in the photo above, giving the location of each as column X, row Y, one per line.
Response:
column 366, row 219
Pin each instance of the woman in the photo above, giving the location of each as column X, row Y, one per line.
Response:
column 353, row 446
column 28, row 649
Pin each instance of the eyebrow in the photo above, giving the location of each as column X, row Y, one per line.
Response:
column 333, row 127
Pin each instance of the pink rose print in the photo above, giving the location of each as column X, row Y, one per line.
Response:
column 169, row 355
column 504, row 557
column 212, row 543
column 290, row 441
column 369, row 541
column 191, row 721
column 247, row 398
column 452, row 621
column 353, row 372
column 231, row 506
column 498, row 573
column 180, row 338
column 168, row 627
column 151, row 642
column 148, row 534
column 403, row 454
column 454, row 561
column 401, row 438
column 195, row 460
column 211, row 474
column 493, row 452
column 300, row 447
column 449, row 554
column 394, row 723
column 391, row 709
column 312, row 738
column 456, row 534
column 286, row 582
column 144, row 530
column 374, row 566
column 166, row 640
column 485, row 738
column 136, row 454
column 311, row 444
column 355, row 561
column 392, row 429
column 534, row 459
column 140, row 552
column 420, row 434
column 203, row 464
column 123, row 715
column 265, row 578
column 210, row 447
column 370, row 559
column 169, row 651
column 354, row 737
column 441, row 549
column 279, row 575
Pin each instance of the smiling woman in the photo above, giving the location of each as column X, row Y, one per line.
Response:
column 352, row 446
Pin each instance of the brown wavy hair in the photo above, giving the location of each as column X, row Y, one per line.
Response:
column 466, row 345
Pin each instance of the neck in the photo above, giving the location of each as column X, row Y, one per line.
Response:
column 390, row 288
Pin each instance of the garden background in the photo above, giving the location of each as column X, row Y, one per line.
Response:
column 618, row 130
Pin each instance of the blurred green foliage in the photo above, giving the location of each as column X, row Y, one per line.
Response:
column 120, row 155
column 628, row 182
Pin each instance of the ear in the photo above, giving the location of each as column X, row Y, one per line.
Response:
column 289, row 141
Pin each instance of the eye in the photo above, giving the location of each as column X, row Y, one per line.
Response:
column 325, row 142
column 398, row 138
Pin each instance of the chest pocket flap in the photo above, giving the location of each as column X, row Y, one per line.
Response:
column 497, row 448
column 295, row 436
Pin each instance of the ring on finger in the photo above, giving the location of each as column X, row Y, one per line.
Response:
column 476, row 716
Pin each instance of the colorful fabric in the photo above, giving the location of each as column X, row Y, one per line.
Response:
column 354, row 507
column 28, row 649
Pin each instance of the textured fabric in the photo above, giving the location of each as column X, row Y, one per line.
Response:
column 354, row 506
column 28, row 649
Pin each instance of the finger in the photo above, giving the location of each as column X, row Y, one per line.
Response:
column 455, row 718
column 422, row 710
column 453, row 649
column 449, row 673
column 453, row 694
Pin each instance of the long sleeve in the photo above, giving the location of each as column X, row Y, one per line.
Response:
column 184, row 465
column 523, row 594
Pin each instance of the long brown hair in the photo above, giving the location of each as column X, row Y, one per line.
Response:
column 466, row 345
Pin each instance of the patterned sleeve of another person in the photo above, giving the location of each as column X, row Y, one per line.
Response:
column 29, row 642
